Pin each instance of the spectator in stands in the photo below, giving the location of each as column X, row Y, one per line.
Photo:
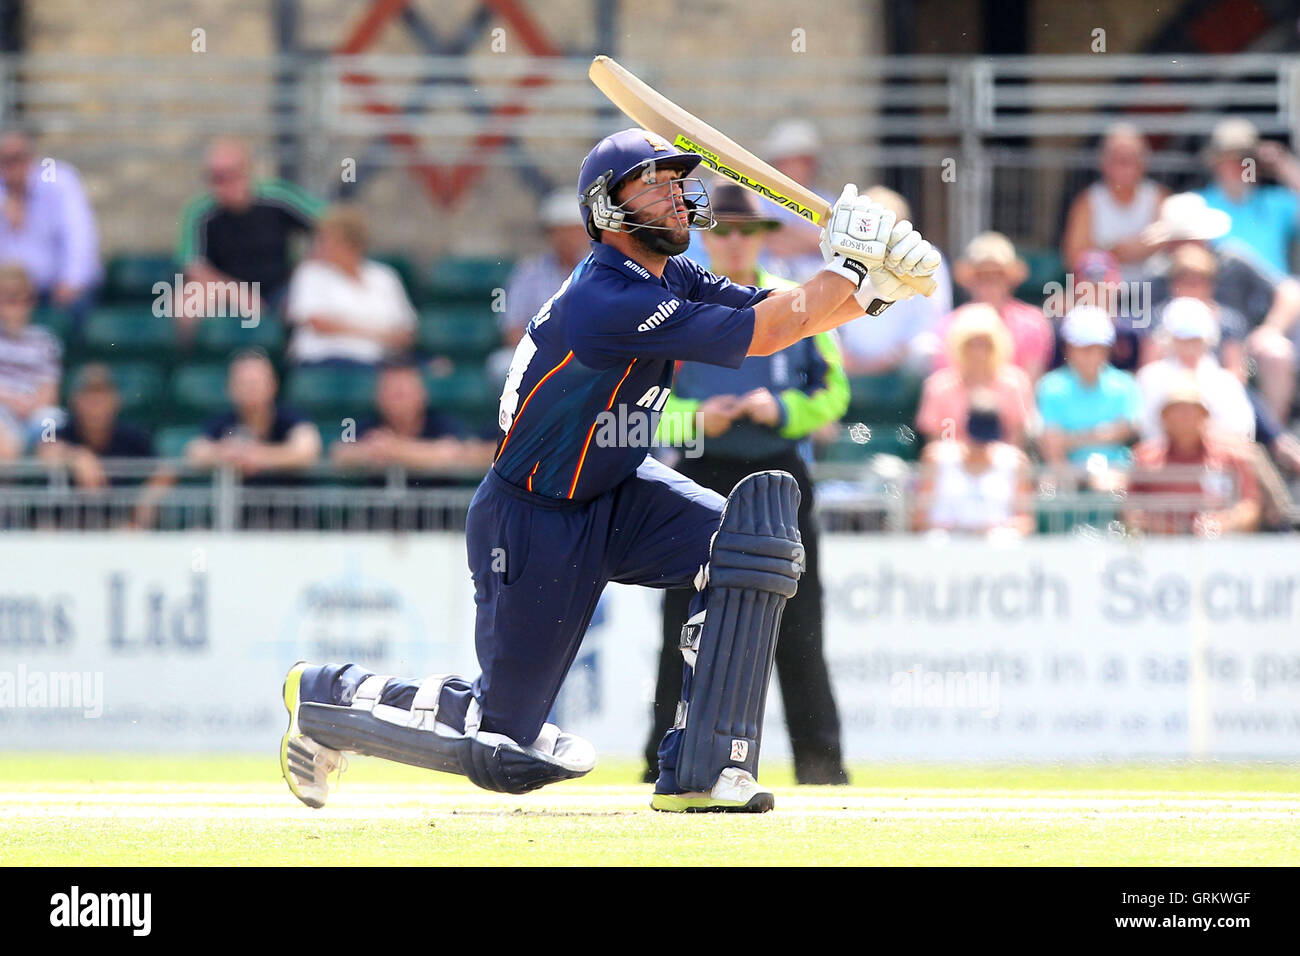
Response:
column 793, row 251
column 1087, row 408
column 1188, row 334
column 1191, row 274
column 31, row 366
column 241, row 230
column 1098, row 281
column 48, row 227
column 93, row 430
column 1264, row 218
column 536, row 279
column 410, row 434
column 1192, row 481
column 902, row 337
column 260, row 438
column 976, row 484
column 1110, row 214
column 347, row 310
column 1269, row 301
column 979, row 351
column 990, row 272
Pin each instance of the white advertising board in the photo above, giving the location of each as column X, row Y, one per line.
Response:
column 1056, row 648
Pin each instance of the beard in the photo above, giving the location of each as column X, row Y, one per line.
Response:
column 664, row 242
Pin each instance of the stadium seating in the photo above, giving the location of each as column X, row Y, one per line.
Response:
column 127, row 332
column 466, row 279
column 325, row 392
column 197, row 392
column 405, row 270
column 458, row 331
column 131, row 278
column 217, row 338
column 170, row 442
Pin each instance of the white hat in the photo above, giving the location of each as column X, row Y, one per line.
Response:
column 1088, row 325
column 1187, row 318
column 559, row 208
column 1186, row 216
column 795, row 137
column 1236, row 134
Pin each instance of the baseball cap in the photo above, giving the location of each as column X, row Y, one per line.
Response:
column 1088, row 325
column 1187, row 318
column 732, row 203
column 1233, row 135
column 1187, row 216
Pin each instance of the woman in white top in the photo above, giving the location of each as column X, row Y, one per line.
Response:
column 346, row 309
column 978, row 485
column 1112, row 213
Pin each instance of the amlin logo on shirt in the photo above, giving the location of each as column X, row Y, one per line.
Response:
column 659, row 315
column 76, row 908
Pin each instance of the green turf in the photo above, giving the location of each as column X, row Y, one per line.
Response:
column 110, row 810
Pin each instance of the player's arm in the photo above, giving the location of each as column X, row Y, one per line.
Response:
column 784, row 318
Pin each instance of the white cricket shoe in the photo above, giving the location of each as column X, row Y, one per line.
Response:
column 734, row 792
column 306, row 764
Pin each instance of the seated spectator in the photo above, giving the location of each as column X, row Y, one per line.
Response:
column 977, row 484
column 990, row 272
column 1269, row 301
column 1098, row 281
column 347, row 310
column 1188, row 335
column 48, row 227
column 1088, row 407
column 261, row 439
column 31, row 366
column 979, row 349
column 241, row 230
column 94, row 432
column 409, row 434
column 1186, row 480
column 903, row 336
column 536, row 279
column 1110, row 214
column 1264, row 218
column 1191, row 275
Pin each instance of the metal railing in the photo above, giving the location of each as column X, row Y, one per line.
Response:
column 878, row 496
column 979, row 141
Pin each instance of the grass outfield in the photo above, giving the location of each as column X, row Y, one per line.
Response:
column 234, row 810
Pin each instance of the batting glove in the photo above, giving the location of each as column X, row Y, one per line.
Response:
column 909, row 254
column 856, row 236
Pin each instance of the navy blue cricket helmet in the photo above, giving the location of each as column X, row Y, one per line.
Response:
column 617, row 158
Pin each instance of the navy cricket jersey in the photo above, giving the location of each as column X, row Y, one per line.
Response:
column 606, row 342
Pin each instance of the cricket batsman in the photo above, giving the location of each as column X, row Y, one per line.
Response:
column 564, row 510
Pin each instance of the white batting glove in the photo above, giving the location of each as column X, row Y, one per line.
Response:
column 908, row 253
column 881, row 290
column 856, row 236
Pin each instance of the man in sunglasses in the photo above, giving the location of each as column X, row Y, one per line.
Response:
column 241, row 230
column 573, row 501
column 750, row 419
column 48, row 227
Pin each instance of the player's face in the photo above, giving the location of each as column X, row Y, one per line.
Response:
column 655, row 198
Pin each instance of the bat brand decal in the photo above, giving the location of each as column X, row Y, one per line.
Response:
column 712, row 160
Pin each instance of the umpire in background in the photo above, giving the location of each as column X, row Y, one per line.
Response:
column 752, row 419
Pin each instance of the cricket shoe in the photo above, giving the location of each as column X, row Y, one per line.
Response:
column 734, row 792
column 306, row 765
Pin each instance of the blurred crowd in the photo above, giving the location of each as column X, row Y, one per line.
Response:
column 1161, row 372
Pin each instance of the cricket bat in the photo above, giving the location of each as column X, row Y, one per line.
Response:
column 651, row 110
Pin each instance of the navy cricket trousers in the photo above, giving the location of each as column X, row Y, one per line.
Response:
column 539, row 567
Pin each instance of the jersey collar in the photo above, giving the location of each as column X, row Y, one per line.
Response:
column 609, row 256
